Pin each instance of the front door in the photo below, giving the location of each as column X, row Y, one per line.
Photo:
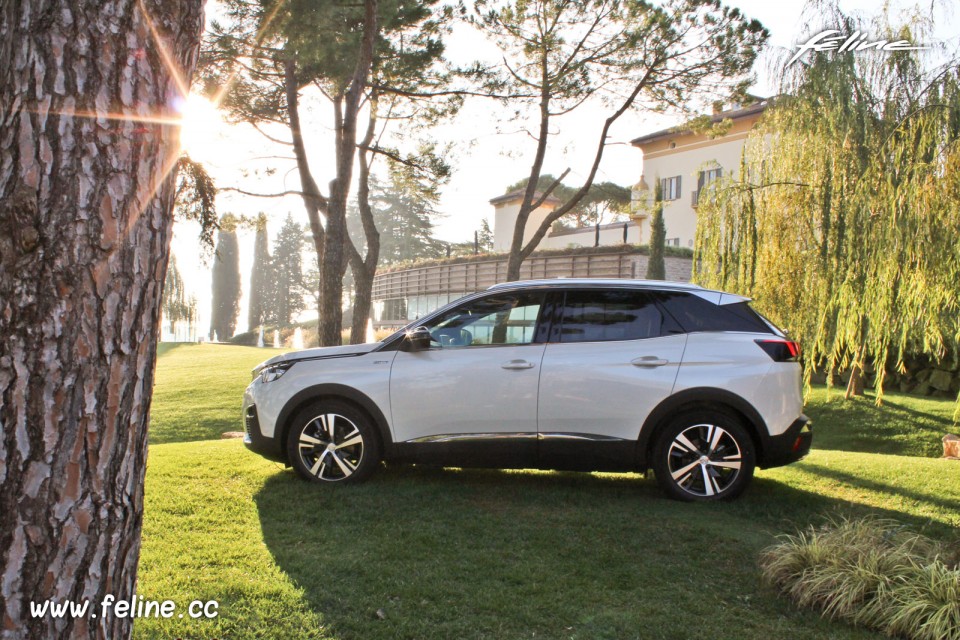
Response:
column 471, row 398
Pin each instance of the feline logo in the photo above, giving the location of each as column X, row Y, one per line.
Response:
column 833, row 39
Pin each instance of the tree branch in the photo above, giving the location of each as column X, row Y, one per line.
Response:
column 291, row 192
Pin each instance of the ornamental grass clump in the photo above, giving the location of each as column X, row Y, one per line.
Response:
column 873, row 573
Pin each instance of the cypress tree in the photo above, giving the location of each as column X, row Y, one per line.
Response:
column 261, row 279
column 226, row 281
column 656, row 269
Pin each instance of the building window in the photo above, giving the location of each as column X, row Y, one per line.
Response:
column 708, row 176
column 670, row 187
column 672, row 242
column 703, row 179
column 395, row 309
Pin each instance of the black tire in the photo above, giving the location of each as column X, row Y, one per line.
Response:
column 347, row 454
column 703, row 456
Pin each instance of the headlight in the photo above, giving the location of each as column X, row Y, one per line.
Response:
column 271, row 373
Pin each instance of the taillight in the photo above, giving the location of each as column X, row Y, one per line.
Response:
column 780, row 350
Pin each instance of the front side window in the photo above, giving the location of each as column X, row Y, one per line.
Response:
column 507, row 318
column 597, row 316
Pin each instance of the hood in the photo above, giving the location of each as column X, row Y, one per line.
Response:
column 319, row 353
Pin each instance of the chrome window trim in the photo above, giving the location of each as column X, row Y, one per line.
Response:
column 466, row 437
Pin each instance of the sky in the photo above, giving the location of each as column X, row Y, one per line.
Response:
column 484, row 161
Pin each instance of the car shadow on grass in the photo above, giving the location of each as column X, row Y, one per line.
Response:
column 443, row 553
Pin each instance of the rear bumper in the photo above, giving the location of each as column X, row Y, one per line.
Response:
column 254, row 440
column 790, row 446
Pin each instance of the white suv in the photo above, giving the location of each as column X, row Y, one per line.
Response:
column 568, row 374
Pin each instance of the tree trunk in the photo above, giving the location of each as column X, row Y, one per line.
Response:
column 363, row 288
column 313, row 201
column 334, row 254
column 364, row 269
column 855, row 384
column 85, row 217
column 514, row 262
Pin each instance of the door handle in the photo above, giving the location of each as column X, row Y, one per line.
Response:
column 517, row 364
column 649, row 362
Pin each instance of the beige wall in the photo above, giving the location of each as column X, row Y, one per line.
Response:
column 505, row 217
column 587, row 236
column 686, row 154
column 679, row 215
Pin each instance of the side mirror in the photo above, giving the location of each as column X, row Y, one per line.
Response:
column 418, row 339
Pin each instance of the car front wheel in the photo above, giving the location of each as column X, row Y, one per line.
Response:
column 333, row 442
column 704, row 456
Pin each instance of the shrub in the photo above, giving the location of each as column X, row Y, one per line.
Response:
column 870, row 572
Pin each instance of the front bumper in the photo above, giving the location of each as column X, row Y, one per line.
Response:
column 790, row 446
column 254, row 439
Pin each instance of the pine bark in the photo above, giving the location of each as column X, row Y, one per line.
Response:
column 85, row 217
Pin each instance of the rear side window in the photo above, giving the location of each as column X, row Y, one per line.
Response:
column 598, row 316
column 696, row 314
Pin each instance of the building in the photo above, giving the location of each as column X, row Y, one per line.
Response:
column 507, row 206
column 684, row 161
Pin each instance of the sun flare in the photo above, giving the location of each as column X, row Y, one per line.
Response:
column 201, row 128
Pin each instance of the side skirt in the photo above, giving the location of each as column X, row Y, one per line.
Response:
column 548, row 451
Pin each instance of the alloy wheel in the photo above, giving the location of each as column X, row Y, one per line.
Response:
column 704, row 460
column 331, row 447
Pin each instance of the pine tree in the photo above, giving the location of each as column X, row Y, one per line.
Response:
column 287, row 272
column 261, row 279
column 623, row 55
column 86, row 217
column 485, row 237
column 226, row 281
column 656, row 269
column 404, row 211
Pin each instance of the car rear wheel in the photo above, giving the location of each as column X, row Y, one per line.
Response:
column 333, row 442
column 704, row 456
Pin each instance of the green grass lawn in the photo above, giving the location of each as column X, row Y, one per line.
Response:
column 199, row 388
column 491, row 554
column 903, row 425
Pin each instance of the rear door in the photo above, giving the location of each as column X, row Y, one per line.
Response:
column 612, row 356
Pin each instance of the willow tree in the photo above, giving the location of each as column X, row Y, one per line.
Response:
column 844, row 217
column 176, row 305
